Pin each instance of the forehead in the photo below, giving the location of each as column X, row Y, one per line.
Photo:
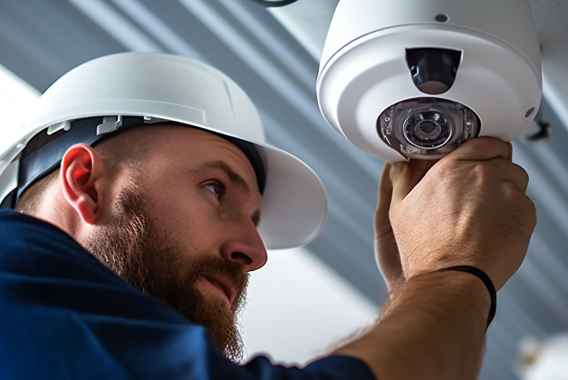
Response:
column 196, row 146
column 200, row 140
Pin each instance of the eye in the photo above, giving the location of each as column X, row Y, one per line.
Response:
column 216, row 188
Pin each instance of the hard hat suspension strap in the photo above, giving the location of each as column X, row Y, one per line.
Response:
column 37, row 162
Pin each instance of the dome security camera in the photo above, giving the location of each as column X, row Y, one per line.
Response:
column 407, row 79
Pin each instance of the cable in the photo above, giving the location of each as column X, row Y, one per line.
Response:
column 274, row 3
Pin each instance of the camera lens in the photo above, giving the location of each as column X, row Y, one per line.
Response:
column 428, row 130
column 427, row 127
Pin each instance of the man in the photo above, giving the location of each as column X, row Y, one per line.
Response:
column 153, row 168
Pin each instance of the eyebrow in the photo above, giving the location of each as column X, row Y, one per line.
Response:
column 235, row 179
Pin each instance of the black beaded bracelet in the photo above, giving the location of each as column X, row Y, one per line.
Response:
column 486, row 280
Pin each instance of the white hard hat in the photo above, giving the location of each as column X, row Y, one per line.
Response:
column 133, row 88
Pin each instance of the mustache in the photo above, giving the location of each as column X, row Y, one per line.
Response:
column 212, row 266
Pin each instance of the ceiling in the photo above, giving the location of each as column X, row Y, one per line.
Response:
column 277, row 66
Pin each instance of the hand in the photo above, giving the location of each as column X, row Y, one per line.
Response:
column 469, row 209
column 386, row 249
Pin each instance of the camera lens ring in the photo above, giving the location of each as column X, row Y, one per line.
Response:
column 459, row 121
column 417, row 130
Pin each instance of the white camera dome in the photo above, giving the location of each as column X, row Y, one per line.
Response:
column 416, row 78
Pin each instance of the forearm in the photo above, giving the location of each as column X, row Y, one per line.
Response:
column 434, row 328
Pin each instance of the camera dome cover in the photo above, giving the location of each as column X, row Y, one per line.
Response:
column 364, row 68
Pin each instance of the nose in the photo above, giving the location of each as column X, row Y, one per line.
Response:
column 244, row 245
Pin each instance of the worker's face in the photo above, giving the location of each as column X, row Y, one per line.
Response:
column 182, row 228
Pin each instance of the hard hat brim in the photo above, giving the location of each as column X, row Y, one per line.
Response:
column 295, row 201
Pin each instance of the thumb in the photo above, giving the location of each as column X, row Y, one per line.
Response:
column 405, row 175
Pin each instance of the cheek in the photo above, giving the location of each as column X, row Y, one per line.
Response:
column 187, row 220
column 183, row 211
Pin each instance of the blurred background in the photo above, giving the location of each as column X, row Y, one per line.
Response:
column 306, row 300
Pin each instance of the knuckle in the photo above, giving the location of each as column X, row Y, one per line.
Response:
column 521, row 209
column 524, row 174
column 510, row 189
column 491, row 145
column 484, row 172
column 510, row 194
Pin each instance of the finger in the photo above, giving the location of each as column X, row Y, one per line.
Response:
column 511, row 172
column 405, row 176
column 382, row 221
column 481, row 149
column 386, row 250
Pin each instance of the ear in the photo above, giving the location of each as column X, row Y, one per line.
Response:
column 81, row 181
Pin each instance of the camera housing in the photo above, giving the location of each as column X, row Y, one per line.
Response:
column 416, row 78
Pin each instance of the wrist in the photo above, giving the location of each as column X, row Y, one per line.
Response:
column 451, row 287
column 437, row 311
column 487, row 282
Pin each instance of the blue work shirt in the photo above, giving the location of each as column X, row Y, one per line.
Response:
column 64, row 315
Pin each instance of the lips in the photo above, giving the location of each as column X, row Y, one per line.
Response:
column 225, row 286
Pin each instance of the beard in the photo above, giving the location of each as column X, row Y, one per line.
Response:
column 132, row 246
